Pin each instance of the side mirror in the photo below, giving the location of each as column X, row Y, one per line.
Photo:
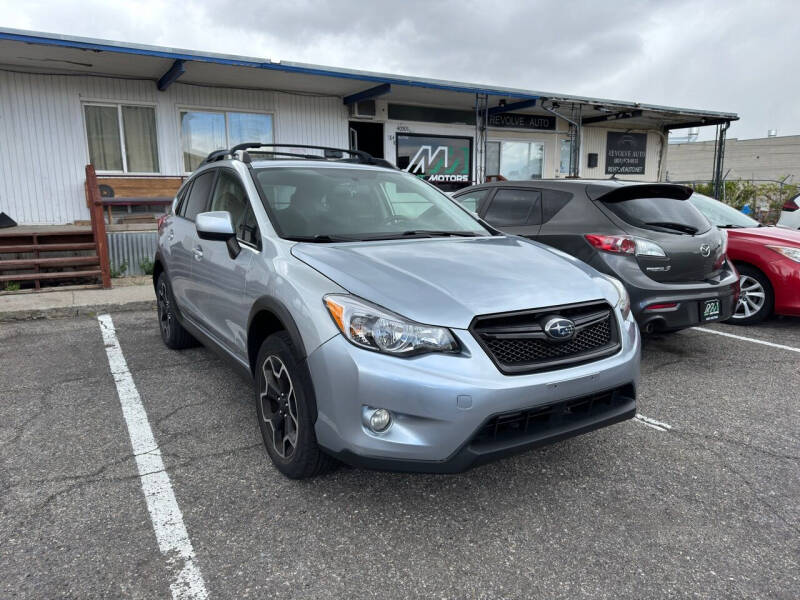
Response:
column 218, row 226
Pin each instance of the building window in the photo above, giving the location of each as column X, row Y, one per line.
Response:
column 122, row 138
column 515, row 161
column 203, row 131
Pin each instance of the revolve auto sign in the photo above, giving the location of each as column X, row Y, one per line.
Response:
column 520, row 121
column 444, row 161
column 625, row 153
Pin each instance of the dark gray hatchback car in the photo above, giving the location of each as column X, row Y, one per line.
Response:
column 670, row 258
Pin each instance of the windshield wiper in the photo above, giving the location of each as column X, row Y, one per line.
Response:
column 676, row 226
column 321, row 239
column 730, row 226
column 439, row 233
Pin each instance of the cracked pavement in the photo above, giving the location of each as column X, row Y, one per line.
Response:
column 708, row 509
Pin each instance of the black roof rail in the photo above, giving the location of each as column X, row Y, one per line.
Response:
column 357, row 156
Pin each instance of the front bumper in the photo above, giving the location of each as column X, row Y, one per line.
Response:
column 442, row 403
column 784, row 275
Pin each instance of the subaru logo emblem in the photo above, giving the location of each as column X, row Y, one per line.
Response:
column 559, row 328
column 705, row 250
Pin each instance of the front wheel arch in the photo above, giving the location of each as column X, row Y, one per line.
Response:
column 268, row 316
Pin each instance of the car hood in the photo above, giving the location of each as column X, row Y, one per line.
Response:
column 767, row 235
column 449, row 281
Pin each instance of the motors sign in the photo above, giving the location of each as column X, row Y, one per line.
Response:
column 443, row 161
column 625, row 153
column 518, row 121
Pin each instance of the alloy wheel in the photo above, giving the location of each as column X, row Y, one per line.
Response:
column 164, row 313
column 279, row 406
column 751, row 297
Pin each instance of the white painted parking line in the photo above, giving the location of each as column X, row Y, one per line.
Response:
column 173, row 540
column 747, row 339
column 652, row 423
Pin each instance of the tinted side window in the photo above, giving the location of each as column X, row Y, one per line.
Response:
column 514, row 207
column 472, row 200
column 230, row 195
column 198, row 196
column 552, row 202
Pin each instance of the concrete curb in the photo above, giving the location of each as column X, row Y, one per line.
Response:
column 65, row 312
column 59, row 304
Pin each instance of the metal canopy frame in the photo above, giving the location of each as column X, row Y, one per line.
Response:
column 719, row 159
column 618, row 116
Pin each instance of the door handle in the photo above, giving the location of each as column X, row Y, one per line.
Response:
column 198, row 253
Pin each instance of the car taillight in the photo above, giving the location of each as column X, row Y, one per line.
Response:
column 723, row 251
column 161, row 220
column 623, row 244
column 617, row 244
column 790, row 206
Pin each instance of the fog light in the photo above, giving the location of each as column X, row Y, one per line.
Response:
column 380, row 420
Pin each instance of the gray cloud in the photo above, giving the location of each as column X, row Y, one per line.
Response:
column 709, row 55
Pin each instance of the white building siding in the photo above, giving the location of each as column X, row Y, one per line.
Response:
column 594, row 140
column 43, row 150
column 311, row 120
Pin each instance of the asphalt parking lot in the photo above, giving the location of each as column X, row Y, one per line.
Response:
column 706, row 505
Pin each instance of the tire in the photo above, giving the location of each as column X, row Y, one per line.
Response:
column 284, row 410
column 756, row 298
column 173, row 333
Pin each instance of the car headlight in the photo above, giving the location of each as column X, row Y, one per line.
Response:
column 624, row 302
column 788, row 252
column 374, row 328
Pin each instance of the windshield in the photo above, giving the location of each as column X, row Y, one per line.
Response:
column 721, row 214
column 327, row 204
column 661, row 214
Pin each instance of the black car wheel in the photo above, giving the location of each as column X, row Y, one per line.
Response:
column 283, row 393
column 173, row 333
column 755, row 297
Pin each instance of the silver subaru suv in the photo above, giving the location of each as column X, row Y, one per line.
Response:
column 384, row 325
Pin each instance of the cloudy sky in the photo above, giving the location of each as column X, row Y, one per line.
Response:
column 727, row 55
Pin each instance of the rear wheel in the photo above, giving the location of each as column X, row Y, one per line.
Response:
column 172, row 332
column 755, row 297
column 283, row 406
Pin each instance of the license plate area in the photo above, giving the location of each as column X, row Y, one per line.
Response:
column 709, row 310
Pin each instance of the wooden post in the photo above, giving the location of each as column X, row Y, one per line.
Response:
column 95, row 202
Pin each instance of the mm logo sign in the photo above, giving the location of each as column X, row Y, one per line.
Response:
column 445, row 161
column 434, row 164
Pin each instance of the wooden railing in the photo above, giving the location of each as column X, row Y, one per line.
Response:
column 95, row 204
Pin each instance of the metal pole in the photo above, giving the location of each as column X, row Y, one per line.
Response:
column 575, row 137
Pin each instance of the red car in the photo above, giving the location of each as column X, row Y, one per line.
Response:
column 768, row 260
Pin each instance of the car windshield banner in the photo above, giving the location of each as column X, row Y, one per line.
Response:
column 444, row 161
